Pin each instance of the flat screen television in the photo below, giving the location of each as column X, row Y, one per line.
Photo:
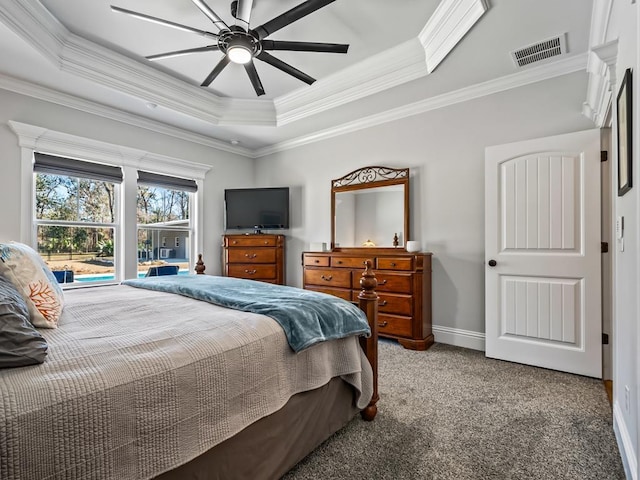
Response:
column 256, row 208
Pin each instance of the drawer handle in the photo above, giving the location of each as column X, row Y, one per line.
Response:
column 266, row 242
column 383, row 324
column 253, row 255
column 383, row 282
column 251, row 272
column 317, row 261
column 393, row 264
column 234, row 242
column 339, row 262
column 382, row 303
column 328, row 279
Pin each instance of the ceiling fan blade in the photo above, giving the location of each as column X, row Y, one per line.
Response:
column 243, row 14
column 255, row 79
column 216, row 71
column 304, row 46
column 285, row 67
column 177, row 53
column 290, row 16
column 161, row 21
column 211, row 15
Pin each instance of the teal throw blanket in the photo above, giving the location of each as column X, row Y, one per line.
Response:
column 306, row 317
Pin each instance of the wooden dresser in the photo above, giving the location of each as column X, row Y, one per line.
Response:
column 404, row 288
column 254, row 256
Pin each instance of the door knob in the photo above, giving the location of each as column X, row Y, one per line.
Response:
column 492, row 263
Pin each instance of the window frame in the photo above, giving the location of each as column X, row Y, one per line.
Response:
column 33, row 138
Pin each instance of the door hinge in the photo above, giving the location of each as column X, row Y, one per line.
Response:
column 605, row 339
column 604, row 156
column 604, row 247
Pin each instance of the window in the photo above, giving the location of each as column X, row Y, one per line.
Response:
column 84, row 230
column 164, row 205
column 76, row 218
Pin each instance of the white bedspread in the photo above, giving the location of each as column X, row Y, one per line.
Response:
column 138, row 382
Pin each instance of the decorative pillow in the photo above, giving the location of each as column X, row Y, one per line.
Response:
column 25, row 269
column 20, row 343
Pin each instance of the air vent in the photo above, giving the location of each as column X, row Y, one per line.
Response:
column 551, row 47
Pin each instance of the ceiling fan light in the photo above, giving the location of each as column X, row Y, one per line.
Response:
column 239, row 54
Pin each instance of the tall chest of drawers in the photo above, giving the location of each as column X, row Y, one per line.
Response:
column 255, row 257
column 404, row 289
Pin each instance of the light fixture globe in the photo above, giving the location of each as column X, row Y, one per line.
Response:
column 239, row 54
column 239, row 46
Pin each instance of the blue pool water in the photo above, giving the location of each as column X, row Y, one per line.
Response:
column 105, row 277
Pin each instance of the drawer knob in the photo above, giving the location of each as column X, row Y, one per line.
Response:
column 383, row 324
column 266, row 242
column 382, row 303
column 328, row 278
column 251, row 272
column 234, row 242
column 339, row 262
column 317, row 261
column 393, row 264
column 253, row 255
column 382, row 282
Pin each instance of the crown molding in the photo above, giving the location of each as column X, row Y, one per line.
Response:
column 564, row 66
column 600, row 17
column 392, row 67
column 77, row 56
column 52, row 96
column 602, row 65
column 50, row 141
column 602, row 82
column 450, row 22
column 387, row 69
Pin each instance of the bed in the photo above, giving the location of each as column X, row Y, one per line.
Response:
column 140, row 384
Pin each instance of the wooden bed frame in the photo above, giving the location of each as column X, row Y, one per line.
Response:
column 307, row 420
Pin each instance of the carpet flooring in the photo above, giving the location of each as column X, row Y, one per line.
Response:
column 451, row 413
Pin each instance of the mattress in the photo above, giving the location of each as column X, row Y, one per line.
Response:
column 138, row 382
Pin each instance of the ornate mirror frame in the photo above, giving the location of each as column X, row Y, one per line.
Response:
column 370, row 178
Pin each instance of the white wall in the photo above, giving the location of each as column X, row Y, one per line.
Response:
column 228, row 170
column 623, row 26
column 445, row 151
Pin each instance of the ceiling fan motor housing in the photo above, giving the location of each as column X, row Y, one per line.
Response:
column 236, row 37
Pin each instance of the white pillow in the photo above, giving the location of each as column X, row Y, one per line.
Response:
column 25, row 269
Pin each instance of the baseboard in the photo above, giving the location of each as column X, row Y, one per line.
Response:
column 459, row 337
column 625, row 445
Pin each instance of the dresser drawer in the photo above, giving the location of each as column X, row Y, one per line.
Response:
column 394, row 325
column 316, row 260
column 349, row 262
column 388, row 282
column 345, row 294
column 393, row 303
column 251, row 255
column 252, row 272
column 251, row 241
column 394, row 263
column 328, row 278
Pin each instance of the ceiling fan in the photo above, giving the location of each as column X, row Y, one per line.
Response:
column 242, row 44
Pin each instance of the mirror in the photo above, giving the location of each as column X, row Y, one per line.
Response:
column 370, row 208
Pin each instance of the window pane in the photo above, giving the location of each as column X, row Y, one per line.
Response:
column 160, row 205
column 86, row 251
column 158, row 247
column 60, row 197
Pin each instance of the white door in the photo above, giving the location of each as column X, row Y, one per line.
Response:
column 542, row 248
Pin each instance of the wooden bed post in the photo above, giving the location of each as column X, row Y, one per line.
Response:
column 200, row 265
column 368, row 301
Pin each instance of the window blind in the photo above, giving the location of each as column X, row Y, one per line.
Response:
column 76, row 168
column 165, row 181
